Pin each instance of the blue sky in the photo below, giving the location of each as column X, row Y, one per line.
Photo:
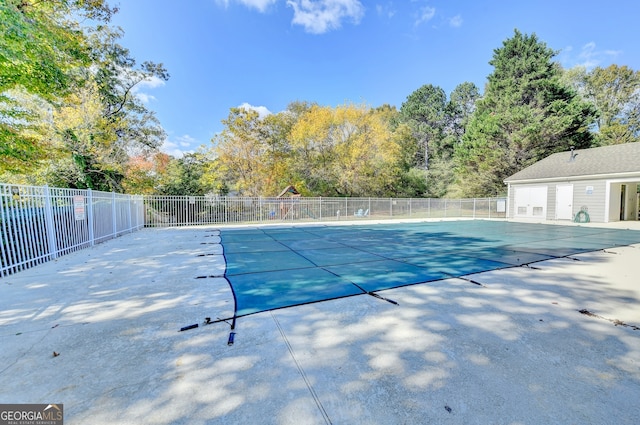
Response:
column 265, row 54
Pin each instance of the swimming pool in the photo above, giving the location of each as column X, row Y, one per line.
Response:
column 275, row 267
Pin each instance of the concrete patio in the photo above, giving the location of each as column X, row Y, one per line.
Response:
column 516, row 350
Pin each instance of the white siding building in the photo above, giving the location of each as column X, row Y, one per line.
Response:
column 604, row 182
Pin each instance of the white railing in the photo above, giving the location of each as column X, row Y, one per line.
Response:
column 38, row 223
column 165, row 211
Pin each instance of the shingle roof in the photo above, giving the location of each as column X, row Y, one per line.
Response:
column 600, row 161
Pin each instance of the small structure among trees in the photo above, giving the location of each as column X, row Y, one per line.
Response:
column 289, row 192
column 290, row 205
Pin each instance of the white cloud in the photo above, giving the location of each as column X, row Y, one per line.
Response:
column 262, row 111
column 386, row 10
column 144, row 97
column 588, row 57
column 456, row 21
column 425, row 14
column 320, row 16
column 150, row 83
column 180, row 146
column 186, row 141
column 316, row 16
column 259, row 5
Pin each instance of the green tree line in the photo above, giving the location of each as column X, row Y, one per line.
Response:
column 69, row 117
column 459, row 145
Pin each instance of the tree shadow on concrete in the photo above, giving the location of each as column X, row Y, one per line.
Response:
column 515, row 350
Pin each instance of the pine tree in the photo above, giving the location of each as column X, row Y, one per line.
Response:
column 526, row 114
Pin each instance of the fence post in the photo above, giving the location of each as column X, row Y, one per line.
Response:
column 474, row 208
column 134, row 199
column 113, row 214
column 142, row 212
column 130, row 200
column 143, row 209
column 51, row 230
column 320, row 215
column 409, row 207
column 90, row 218
column 133, row 212
column 390, row 207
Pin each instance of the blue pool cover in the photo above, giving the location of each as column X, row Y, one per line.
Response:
column 274, row 267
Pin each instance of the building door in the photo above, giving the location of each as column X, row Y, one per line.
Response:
column 629, row 202
column 564, row 202
column 531, row 202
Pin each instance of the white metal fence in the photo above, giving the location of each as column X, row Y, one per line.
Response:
column 38, row 223
column 163, row 211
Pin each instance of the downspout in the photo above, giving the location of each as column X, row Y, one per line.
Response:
column 508, row 201
column 607, row 200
